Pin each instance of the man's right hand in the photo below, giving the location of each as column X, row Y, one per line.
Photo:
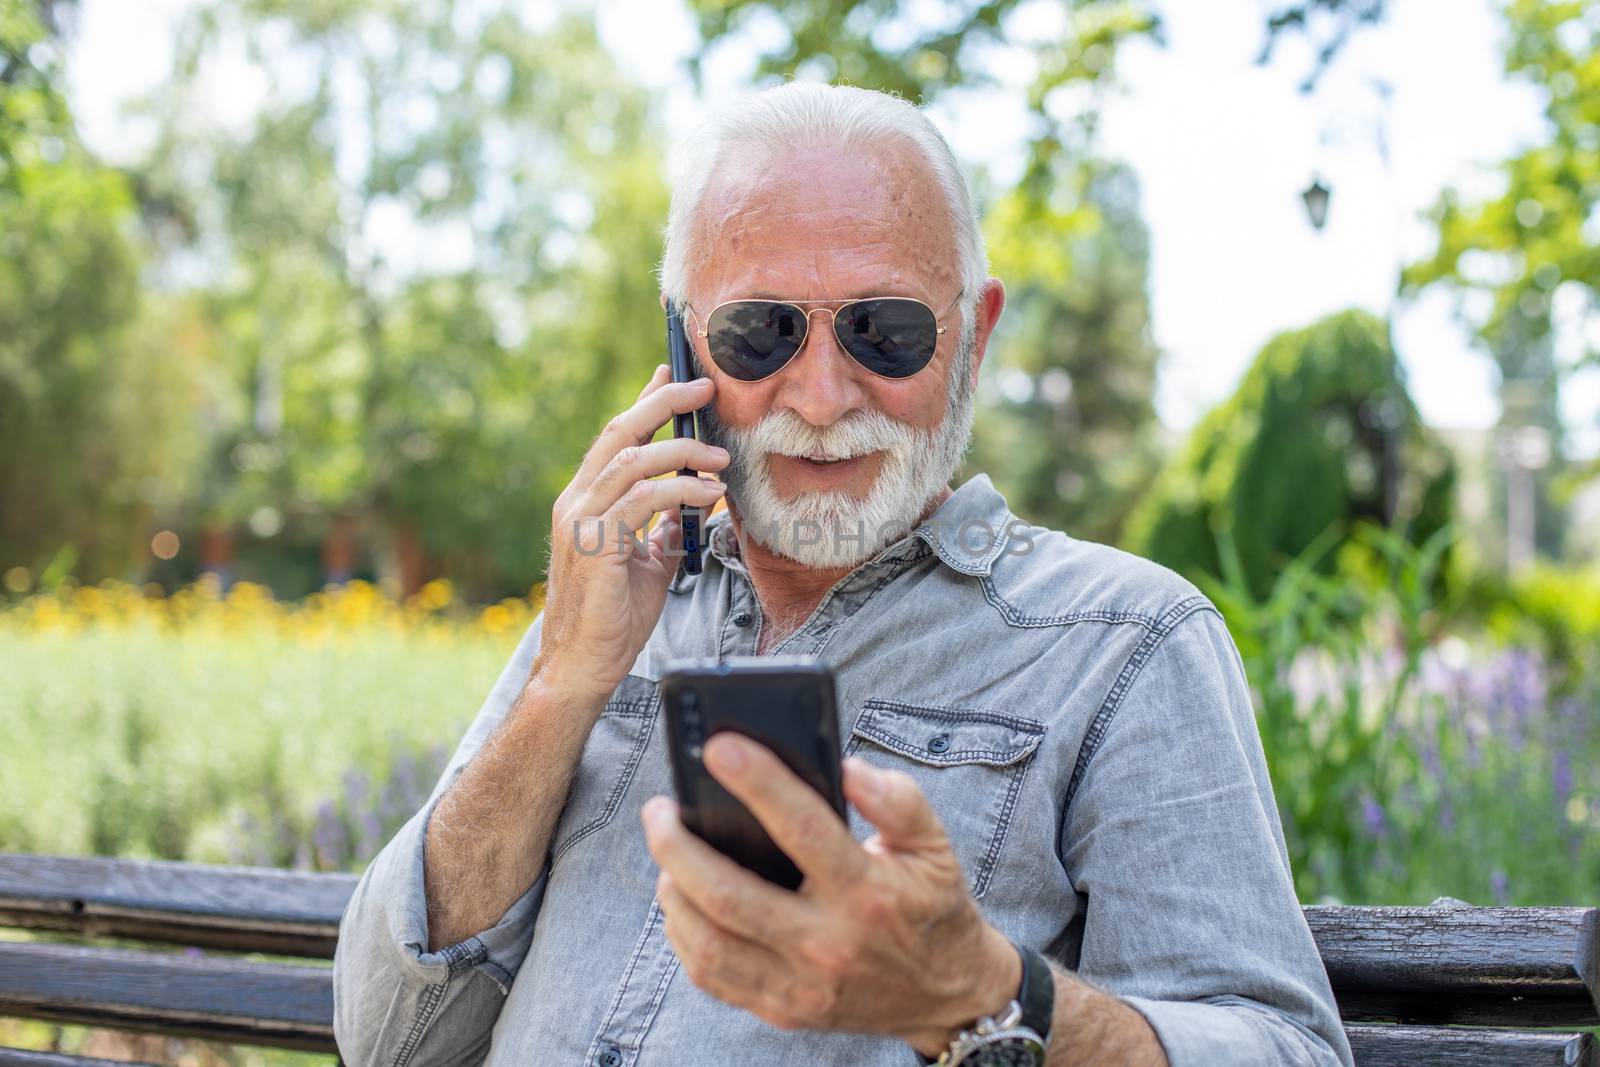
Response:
column 601, row 606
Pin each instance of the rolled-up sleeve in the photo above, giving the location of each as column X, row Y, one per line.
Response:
column 1174, row 839
column 394, row 1001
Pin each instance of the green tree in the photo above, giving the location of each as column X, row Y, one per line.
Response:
column 1517, row 256
column 93, row 436
column 430, row 257
column 1319, row 435
column 1074, row 446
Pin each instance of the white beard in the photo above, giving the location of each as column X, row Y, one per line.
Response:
column 832, row 529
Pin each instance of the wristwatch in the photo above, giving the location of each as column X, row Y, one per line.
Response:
column 1017, row 1037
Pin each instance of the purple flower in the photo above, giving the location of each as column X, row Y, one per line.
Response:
column 356, row 786
column 1373, row 815
column 329, row 837
column 1430, row 758
column 1499, row 886
column 1561, row 779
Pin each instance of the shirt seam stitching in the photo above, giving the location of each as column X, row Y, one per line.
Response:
column 1015, row 617
column 1141, row 655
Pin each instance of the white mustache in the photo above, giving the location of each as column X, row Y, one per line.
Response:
column 854, row 434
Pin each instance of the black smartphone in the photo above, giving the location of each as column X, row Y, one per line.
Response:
column 683, row 426
column 783, row 702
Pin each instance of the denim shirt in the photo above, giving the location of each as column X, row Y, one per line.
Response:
column 1077, row 716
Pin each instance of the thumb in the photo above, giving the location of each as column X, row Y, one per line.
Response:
column 892, row 802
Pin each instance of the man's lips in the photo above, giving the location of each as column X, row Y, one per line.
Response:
column 824, row 463
column 818, row 470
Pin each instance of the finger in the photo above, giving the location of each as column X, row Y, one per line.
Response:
column 660, row 377
column 635, row 463
column 640, row 422
column 731, row 968
column 794, row 814
column 743, row 902
column 892, row 803
column 646, row 498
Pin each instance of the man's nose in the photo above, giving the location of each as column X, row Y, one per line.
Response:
column 820, row 384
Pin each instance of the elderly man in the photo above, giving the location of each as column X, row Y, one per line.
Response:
column 1061, row 825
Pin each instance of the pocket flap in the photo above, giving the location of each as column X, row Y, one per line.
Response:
column 633, row 697
column 943, row 737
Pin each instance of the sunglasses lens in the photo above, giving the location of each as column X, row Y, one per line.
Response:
column 751, row 339
column 893, row 337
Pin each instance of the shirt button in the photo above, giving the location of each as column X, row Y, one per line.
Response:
column 611, row 1057
column 742, row 618
column 939, row 743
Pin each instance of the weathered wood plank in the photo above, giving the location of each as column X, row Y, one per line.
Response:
column 1434, row 1046
column 292, row 913
column 1519, row 966
column 1429, row 965
column 218, row 999
column 21, row 1057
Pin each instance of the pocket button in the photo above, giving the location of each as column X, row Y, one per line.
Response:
column 939, row 744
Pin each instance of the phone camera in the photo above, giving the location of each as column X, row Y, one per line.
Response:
column 693, row 725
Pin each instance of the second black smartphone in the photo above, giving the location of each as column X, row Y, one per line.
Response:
column 783, row 702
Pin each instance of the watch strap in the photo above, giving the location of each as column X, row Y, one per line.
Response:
column 1037, row 994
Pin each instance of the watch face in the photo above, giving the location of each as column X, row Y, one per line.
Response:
column 1009, row 1048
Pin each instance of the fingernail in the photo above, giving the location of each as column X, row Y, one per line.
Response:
column 655, row 809
column 719, row 450
column 701, row 381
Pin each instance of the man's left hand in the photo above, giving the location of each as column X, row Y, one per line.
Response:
column 882, row 937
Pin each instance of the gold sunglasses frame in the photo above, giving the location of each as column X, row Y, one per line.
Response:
column 939, row 322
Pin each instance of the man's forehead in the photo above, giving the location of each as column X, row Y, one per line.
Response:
column 871, row 220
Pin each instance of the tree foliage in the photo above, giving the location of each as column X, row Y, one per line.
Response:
column 430, row 255
column 1320, row 435
column 1071, row 440
column 1533, row 248
column 94, row 439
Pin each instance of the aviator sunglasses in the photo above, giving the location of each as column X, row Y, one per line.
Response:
column 891, row 336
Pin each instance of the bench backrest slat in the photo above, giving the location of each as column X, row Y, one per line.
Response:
column 213, row 998
column 1462, row 964
column 1433, row 1046
column 1431, row 965
column 292, row 913
column 20, row 1057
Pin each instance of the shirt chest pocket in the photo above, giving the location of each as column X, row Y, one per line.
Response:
column 969, row 763
column 610, row 759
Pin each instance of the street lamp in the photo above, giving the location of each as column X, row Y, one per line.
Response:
column 1316, row 200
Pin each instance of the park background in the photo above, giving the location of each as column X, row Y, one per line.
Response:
column 307, row 309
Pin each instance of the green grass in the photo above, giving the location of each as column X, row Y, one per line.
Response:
column 158, row 743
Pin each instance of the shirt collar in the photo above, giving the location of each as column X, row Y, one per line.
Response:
column 968, row 532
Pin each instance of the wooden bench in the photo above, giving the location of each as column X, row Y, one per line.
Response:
column 1434, row 985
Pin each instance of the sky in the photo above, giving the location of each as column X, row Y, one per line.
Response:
column 1222, row 147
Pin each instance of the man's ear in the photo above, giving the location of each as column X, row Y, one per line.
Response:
column 663, row 301
column 990, row 304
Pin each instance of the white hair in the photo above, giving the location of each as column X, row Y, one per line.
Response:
column 811, row 115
